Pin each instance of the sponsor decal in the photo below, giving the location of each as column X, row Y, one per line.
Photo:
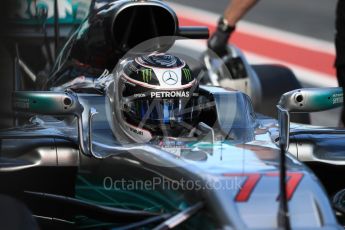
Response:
column 133, row 68
column 139, row 95
column 170, row 77
column 146, row 75
column 170, row 94
column 138, row 132
column 129, row 82
column 338, row 98
column 21, row 103
column 187, row 74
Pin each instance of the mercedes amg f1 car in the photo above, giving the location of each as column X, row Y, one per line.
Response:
column 130, row 132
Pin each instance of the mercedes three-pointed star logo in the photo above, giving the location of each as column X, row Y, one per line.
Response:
column 170, row 77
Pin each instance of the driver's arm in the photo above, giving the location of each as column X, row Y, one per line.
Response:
column 226, row 25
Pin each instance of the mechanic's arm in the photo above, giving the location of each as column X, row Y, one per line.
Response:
column 227, row 24
column 237, row 9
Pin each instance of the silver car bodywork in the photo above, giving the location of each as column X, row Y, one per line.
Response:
column 238, row 181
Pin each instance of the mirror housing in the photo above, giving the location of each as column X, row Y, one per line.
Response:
column 47, row 103
column 55, row 104
column 312, row 99
column 305, row 101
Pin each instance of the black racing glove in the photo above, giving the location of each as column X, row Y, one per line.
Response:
column 219, row 40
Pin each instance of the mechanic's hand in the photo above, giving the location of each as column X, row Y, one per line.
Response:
column 219, row 40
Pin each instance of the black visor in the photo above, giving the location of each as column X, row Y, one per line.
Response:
column 162, row 111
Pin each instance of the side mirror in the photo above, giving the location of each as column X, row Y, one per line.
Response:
column 305, row 101
column 47, row 103
column 312, row 100
column 54, row 103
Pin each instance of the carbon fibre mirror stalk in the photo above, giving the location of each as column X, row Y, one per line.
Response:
column 284, row 127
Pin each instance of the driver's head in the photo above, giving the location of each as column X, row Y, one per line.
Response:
column 155, row 95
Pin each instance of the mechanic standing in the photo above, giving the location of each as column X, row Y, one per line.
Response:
column 236, row 9
column 340, row 48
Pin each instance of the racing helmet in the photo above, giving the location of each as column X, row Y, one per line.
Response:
column 154, row 95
